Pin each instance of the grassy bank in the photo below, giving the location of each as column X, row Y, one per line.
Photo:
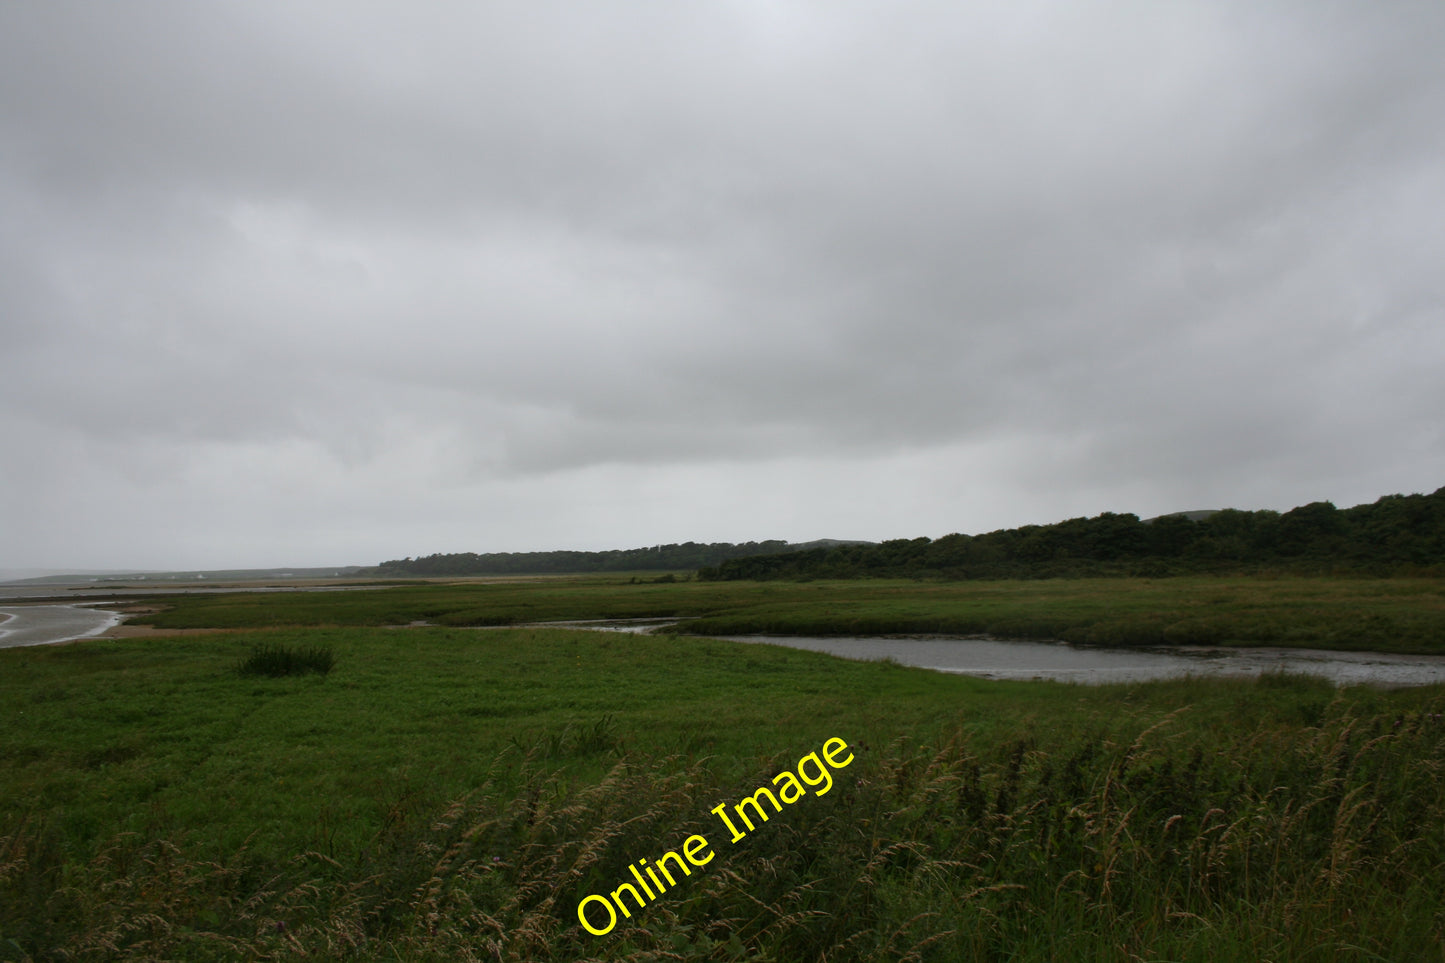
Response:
column 1395, row 615
column 450, row 794
column 163, row 734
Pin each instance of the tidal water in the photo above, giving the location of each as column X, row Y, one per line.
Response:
column 978, row 656
column 44, row 624
column 1009, row 659
column 91, row 592
column 1000, row 659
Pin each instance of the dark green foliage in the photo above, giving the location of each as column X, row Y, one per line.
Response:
column 1397, row 535
column 686, row 556
column 278, row 660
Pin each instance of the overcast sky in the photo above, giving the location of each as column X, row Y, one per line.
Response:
column 321, row 283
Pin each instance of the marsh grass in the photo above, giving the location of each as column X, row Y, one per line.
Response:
column 279, row 660
column 1398, row 615
column 1281, row 843
column 448, row 794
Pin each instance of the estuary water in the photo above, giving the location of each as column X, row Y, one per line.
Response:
column 44, row 624
column 1009, row 659
column 966, row 655
column 1060, row 661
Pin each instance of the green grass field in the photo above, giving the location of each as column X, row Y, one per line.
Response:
column 448, row 793
column 1398, row 615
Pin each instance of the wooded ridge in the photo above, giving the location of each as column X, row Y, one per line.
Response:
column 1396, row 535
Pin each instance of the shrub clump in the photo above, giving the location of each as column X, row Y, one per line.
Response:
column 278, row 660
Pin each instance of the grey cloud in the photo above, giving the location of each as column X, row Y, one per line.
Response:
column 1175, row 252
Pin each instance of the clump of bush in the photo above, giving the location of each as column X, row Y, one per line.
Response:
column 278, row 660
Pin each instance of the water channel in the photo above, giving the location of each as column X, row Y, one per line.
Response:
column 45, row 624
column 974, row 655
column 1010, row 659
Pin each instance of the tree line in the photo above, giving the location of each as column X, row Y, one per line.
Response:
column 675, row 557
column 1395, row 535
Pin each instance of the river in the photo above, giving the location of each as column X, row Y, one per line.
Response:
column 978, row 656
column 999, row 659
column 1009, row 659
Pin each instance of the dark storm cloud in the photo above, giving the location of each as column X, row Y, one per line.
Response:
column 1121, row 256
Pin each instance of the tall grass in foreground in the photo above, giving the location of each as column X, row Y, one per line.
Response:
column 1281, row 843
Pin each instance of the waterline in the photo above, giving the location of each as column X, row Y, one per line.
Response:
column 1000, row 659
column 48, row 624
column 991, row 658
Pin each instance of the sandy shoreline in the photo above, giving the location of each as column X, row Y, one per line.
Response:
column 27, row 625
column 120, row 626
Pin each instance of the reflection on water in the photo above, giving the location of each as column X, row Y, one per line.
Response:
column 999, row 659
column 43, row 624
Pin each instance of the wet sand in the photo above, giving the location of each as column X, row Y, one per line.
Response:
column 27, row 625
column 46, row 624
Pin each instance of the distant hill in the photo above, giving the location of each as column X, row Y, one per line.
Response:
column 674, row 557
column 825, row 543
column 1194, row 516
column 191, row 575
column 1396, row 535
column 22, row 575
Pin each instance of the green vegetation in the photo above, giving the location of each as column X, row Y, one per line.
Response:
column 278, row 660
column 1397, row 535
column 1398, row 615
column 448, row 794
column 688, row 555
column 468, row 603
